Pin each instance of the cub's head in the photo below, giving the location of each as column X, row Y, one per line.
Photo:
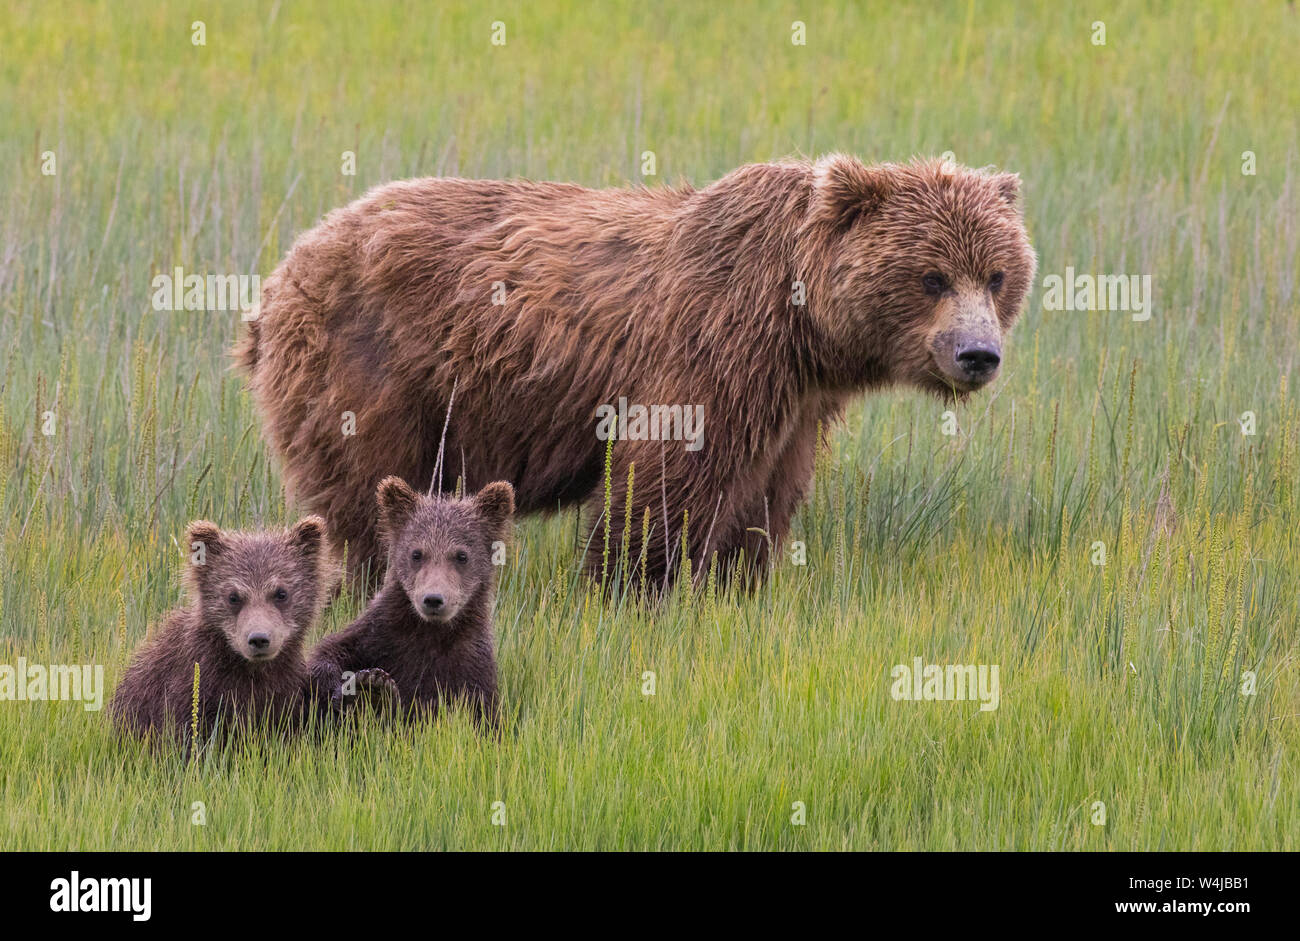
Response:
column 929, row 266
column 440, row 550
column 262, row 590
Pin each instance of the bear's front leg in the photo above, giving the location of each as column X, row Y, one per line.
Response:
column 325, row 684
column 789, row 479
column 694, row 503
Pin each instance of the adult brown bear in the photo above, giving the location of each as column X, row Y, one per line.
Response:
column 757, row 306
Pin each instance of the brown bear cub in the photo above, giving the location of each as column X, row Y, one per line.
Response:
column 253, row 597
column 429, row 628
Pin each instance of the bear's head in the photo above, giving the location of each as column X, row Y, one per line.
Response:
column 928, row 266
column 440, row 550
column 261, row 590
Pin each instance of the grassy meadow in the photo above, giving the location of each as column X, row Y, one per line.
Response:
column 1121, row 684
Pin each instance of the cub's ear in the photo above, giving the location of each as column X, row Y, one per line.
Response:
column 308, row 536
column 203, row 541
column 496, row 503
column 397, row 502
column 1008, row 185
column 845, row 188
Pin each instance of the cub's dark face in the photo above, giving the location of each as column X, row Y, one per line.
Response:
column 440, row 550
column 261, row 590
column 932, row 268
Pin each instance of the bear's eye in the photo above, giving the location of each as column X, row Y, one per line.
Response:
column 280, row 596
column 995, row 282
column 416, row 555
column 233, row 598
column 934, row 283
column 462, row 557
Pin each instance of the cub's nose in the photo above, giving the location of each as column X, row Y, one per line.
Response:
column 432, row 603
column 979, row 360
column 259, row 641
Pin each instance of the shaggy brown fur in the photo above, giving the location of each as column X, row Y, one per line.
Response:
column 430, row 626
column 252, row 600
column 912, row 274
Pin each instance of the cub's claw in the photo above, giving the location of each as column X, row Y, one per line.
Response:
column 376, row 687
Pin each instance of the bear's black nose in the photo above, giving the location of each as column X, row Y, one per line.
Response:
column 259, row 641
column 432, row 603
column 979, row 360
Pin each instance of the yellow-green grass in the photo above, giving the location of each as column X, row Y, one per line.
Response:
column 1120, row 683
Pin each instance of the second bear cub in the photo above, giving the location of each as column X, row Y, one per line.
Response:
column 430, row 625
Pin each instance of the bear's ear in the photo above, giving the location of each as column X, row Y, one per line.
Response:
column 844, row 188
column 397, row 502
column 308, row 537
column 204, row 543
column 204, row 540
column 496, row 503
column 1008, row 186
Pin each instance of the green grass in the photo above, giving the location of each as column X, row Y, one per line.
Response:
column 1120, row 683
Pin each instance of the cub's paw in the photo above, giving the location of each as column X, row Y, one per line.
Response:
column 325, row 688
column 372, row 687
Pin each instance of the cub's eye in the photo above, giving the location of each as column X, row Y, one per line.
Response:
column 233, row 598
column 462, row 557
column 995, row 282
column 280, row 595
column 934, row 283
column 416, row 555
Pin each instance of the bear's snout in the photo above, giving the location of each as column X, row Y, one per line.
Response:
column 978, row 360
column 967, row 361
column 436, row 597
column 966, row 344
column 260, row 644
column 258, row 636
